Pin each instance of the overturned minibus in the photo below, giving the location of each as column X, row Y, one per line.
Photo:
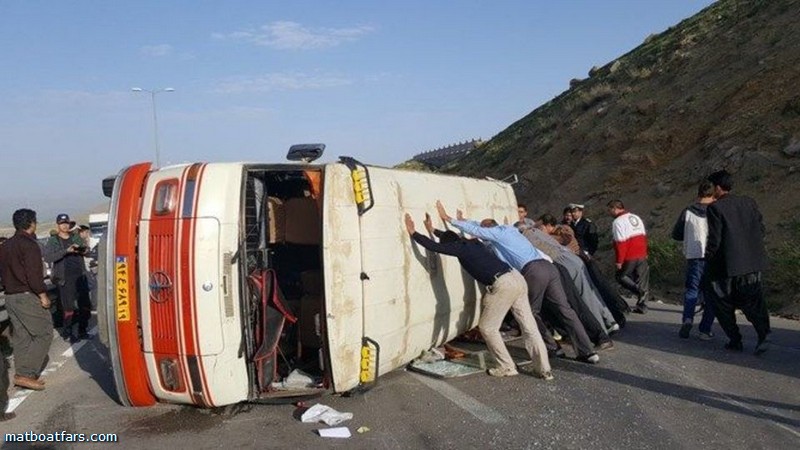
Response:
column 222, row 279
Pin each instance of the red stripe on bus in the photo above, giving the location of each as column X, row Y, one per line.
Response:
column 131, row 355
column 206, row 390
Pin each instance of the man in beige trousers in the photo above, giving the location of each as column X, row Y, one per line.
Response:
column 505, row 290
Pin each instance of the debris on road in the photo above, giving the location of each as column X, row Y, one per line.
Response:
column 324, row 413
column 338, row 432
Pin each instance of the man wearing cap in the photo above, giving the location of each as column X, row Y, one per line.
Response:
column 585, row 230
column 65, row 251
column 27, row 303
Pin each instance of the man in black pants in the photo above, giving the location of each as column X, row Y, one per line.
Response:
column 585, row 230
column 544, row 282
column 735, row 257
column 65, row 251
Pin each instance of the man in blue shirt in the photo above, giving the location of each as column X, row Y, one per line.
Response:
column 505, row 290
column 544, row 282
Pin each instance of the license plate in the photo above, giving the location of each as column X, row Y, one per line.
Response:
column 122, row 288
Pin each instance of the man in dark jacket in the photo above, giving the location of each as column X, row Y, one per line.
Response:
column 27, row 303
column 585, row 230
column 505, row 290
column 65, row 251
column 735, row 257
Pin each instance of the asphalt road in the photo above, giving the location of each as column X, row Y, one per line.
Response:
column 653, row 390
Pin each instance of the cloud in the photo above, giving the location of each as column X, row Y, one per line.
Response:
column 280, row 81
column 287, row 35
column 156, row 51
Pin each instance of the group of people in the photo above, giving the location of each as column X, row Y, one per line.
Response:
column 27, row 304
column 543, row 272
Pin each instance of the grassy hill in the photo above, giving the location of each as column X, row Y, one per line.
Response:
column 718, row 90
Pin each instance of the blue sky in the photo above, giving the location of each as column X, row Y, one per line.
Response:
column 380, row 81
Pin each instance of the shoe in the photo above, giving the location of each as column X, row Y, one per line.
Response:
column 640, row 309
column 605, row 345
column 502, row 372
column 735, row 346
column 7, row 416
column 558, row 353
column 82, row 336
column 556, row 336
column 706, row 336
column 613, row 328
column 28, row 383
column 590, row 359
column 762, row 346
column 685, row 329
column 546, row 376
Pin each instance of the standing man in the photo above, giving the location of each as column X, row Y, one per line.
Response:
column 735, row 258
column 585, row 230
column 65, row 251
column 542, row 277
column 505, row 290
column 630, row 247
column 26, row 301
column 692, row 229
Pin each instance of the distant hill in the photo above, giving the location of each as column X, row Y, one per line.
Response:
column 718, row 90
column 46, row 223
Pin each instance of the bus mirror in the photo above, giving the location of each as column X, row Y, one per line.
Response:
column 305, row 152
column 108, row 185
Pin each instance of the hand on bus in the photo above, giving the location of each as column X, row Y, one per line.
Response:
column 409, row 224
column 441, row 211
column 428, row 223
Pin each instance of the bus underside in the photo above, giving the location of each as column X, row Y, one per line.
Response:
column 281, row 266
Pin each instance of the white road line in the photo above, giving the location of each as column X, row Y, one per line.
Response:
column 469, row 404
column 22, row 394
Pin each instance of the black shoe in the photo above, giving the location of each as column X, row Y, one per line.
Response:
column 591, row 358
column 735, row 346
column 685, row 329
column 762, row 346
column 558, row 353
column 640, row 309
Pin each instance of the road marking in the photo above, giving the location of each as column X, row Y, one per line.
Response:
column 53, row 366
column 469, row 404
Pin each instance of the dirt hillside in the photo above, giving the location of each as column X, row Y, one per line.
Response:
column 718, row 90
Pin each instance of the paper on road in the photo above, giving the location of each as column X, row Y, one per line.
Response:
column 338, row 432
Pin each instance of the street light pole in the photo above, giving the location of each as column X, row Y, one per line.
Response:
column 153, row 93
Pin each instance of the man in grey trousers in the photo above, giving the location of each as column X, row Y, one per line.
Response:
column 21, row 268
